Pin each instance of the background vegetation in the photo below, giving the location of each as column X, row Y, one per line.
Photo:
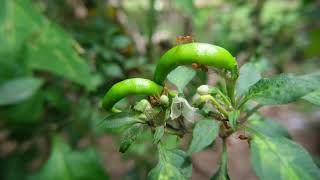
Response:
column 58, row 58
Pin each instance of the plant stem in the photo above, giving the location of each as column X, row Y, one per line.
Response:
column 215, row 103
column 151, row 22
column 231, row 90
column 224, row 98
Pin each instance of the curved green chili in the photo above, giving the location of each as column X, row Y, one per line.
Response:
column 128, row 87
column 200, row 53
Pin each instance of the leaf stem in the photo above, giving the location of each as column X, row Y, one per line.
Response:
column 215, row 103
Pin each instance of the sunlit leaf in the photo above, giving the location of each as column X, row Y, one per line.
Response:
column 283, row 89
column 281, row 158
column 313, row 97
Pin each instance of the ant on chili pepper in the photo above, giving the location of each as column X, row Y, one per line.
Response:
column 184, row 39
column 196, row 66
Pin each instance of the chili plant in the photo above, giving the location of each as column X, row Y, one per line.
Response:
column 214, row 112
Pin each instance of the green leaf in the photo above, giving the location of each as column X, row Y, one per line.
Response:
column 158, row 134
column 222, row 173
column 267, row 127
column 181, row 76
column 119, row 120
column 313, row 97
column 204, row 133
column 173, row 164
column 283, row 89
column 130, row 136
column 164, row 171
column 181, row 160
column 67, row 164
column 29, row 111
column 19, row 89
column 233, row 117
column 280, row 158
column 44, row 45
column 248, row 76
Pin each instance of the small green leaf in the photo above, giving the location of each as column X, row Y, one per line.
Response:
column 67, row 164
column 233, row 117
column 281, row 158
column 181, row 76
column 158, row 134
column 283, row 89
column 267, row 127
column 130, row 136
column 222, row 173
column 313, row 97
column 17, row 90
column 204, row 133
column 248, row 76
column 119, row 120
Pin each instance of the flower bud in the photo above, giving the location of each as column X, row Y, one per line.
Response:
column 164, row 100
column 203, row 90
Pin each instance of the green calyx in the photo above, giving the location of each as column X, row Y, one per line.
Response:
column 133, row 86
column 199, row 53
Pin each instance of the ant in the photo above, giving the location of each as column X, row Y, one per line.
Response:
column 184, row 39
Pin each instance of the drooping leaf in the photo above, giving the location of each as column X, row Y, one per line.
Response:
column 158, row 134
column 283, row 89
column 267, row 127
column 119, row 120
column 233, row 117
column 281, row 158
column 313, row 97
column 204, row 133
column 19, row 89
column 67, row 164
column 130, row 136
column 173, row 164
column 222, row 173
column 181, row 76
column 45, row 45
column 247, row 77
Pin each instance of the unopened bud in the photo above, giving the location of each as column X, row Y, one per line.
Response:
column 203, row 90
column 164, row 100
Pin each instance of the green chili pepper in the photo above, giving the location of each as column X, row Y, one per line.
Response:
column 133, row 86
column 200, row 53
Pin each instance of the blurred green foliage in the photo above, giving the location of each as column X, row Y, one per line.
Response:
column 58, row 58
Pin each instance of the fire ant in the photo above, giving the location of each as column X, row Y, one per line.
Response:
column 196, row 66
column 184, row 39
